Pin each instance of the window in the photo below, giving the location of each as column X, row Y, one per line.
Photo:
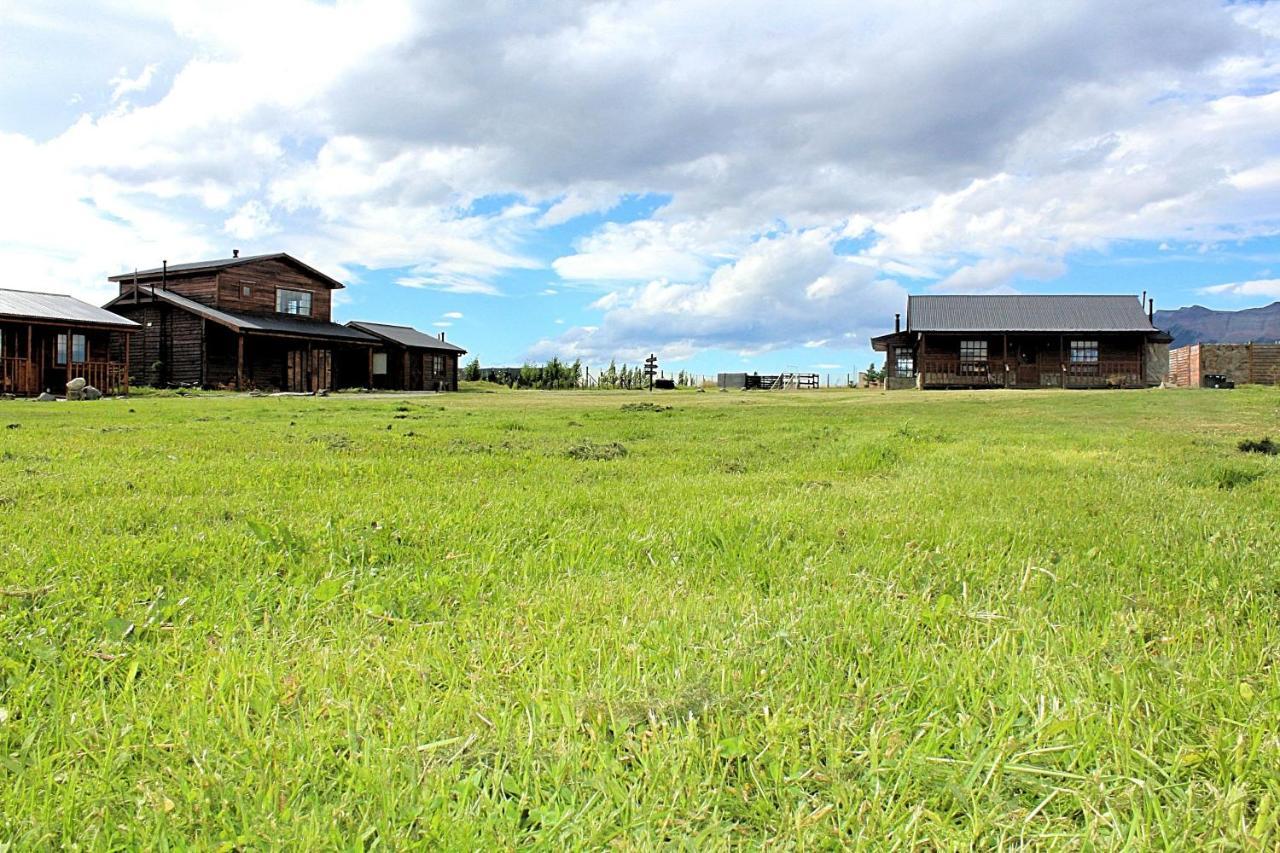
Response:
column 293, row 302
column 437, row 364
column 904, row 362
column 79, row 349
column 60, row 350
column 379, row 364
column 1084, row 352
column 973, row 357
column 246, row 290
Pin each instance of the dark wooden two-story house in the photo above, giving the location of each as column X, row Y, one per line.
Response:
column 409, row 360
column 1025, row 341
column 48, row 339
column 253, row 322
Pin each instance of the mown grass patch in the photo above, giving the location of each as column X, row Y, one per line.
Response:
column 790, row 619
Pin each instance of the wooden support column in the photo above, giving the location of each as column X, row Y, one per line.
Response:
column 240, row 362
column 1062, row 365
column 127, row 337
column 370, row 368
column 408, row 377
column 29, row 381
column 1006, row 358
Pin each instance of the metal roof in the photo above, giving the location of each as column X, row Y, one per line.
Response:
column 223, row 263
column 406, row 336
column 252, row 324
column 1026, row 313
column 58, row 307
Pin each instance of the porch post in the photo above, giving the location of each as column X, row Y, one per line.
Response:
column 240, row 362
column 370, row 368
column 1062, row 365
column 127, row 337
column 30, row 379
column 1005, row 357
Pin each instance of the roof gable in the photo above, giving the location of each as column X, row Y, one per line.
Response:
column 226, row 263
column 1027, row 313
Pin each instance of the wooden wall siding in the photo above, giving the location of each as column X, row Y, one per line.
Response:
column 263, row 278
column 198, row 288
column 168, row 336
column 1253, row 364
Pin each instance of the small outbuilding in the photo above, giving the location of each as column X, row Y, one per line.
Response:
column 48, row 339
column 1025, row 341
column 409, row 360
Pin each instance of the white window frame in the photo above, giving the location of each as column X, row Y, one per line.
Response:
column 293, row 302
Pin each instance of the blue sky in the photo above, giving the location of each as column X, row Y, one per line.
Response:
column 730, row 185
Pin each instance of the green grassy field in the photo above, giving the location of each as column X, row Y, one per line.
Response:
column 954, row 619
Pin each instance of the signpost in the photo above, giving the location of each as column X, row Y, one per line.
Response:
column 651, row 368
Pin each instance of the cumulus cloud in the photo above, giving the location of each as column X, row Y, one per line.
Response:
column 366, row 132
column 764, row 300
column 1258, row 287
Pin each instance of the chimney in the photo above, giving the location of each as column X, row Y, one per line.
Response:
column 1143, row 300
column 1151, row 310
column 235, row 253
column 442, row 336
column 897, row 323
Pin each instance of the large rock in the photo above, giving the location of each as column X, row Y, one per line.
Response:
column 46, row 397
column 91, row 393
column 75, row 388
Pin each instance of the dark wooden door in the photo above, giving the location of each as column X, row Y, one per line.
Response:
column 310, row 371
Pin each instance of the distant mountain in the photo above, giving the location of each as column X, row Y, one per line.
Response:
column 1200, row 325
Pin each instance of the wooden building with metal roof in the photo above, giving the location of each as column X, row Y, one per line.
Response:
column 253, row 322
column 409, row 360
column 48, row 339
column 1025, row 341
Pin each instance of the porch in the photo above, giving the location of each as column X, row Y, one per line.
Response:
column 952, row 372
column 36, row 357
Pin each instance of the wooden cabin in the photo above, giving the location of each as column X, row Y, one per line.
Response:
column 48, row 339
column 409, row 360
column 253, row 322
column 1025, row 341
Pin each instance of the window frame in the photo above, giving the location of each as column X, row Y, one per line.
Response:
column 376, row 357
column 61, row 349
column 437, row 365
column 285, row 297
column 1079, row 350
column 79, row 343
column 903, row 354
column 974, row 354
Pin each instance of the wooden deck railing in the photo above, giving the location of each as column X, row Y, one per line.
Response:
column 109, row 377
column 1111, row 373
column 17, row 376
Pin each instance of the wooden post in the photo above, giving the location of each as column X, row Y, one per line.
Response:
column 240, row 362
column 1005, row 358
column 127, row 337
column 407, row 375
column 30, row 379
column 370, row 368
column 312, row 379
column 1062, row 365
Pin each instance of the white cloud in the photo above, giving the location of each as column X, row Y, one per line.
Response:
column 762, row 301
column 452, row 315
column 366, row 132
column 252, row 220
column 1269, row 287
column 122, row 84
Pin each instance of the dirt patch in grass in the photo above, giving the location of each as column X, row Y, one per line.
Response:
column 645, row 407
column 1266, row 447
